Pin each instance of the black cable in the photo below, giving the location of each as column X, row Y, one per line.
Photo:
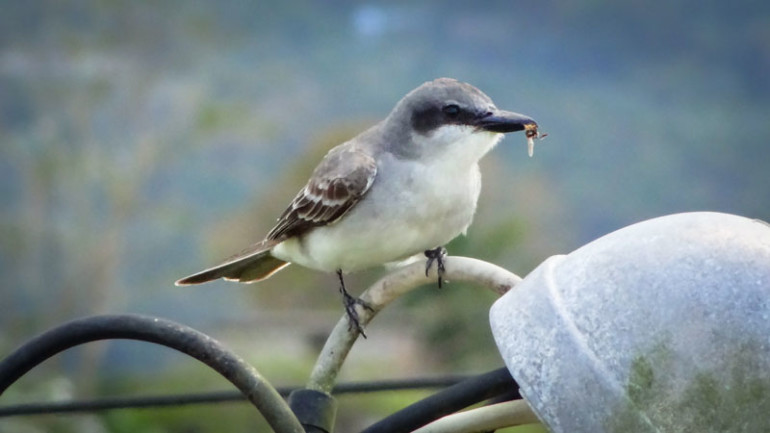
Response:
column 107, row 403
column 450, row 400
column 159, row 331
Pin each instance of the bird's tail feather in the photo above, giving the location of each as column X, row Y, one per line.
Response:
column 251, row 265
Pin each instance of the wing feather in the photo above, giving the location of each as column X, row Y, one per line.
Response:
column 339, row 182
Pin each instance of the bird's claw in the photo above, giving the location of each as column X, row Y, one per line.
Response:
column 436, row 255
column 354, row 321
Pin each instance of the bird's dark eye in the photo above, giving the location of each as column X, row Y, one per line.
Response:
column 451, row 110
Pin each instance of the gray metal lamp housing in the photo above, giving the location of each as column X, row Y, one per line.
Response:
column 661, row 326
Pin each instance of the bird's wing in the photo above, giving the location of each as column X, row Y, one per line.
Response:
column 341, row 179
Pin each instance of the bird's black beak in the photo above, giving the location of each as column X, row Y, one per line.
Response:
column 505, row 121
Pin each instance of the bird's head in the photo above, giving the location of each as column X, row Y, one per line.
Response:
column 446, row 115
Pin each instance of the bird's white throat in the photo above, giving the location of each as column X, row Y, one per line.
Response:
column 456, row 146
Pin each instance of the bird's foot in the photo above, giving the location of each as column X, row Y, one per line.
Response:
column 436, row 255
column 350, row 302
column 354, row 321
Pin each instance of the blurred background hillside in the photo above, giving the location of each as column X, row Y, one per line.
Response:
column 142, row 141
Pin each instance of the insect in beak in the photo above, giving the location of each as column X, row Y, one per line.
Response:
column 532, row 133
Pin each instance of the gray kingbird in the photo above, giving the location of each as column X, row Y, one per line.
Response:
column 409, row 184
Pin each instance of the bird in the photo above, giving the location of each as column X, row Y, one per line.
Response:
column 406, row 186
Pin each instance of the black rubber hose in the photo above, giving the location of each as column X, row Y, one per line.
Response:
column 159, row 331
column 450, row 400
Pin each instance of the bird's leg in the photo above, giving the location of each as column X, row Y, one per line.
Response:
column 350, row 306
column 436, row 255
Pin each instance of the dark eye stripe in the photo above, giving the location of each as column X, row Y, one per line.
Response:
column 451, row 110
column 430, row 116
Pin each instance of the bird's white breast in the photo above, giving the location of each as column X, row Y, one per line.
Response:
column 413, row 205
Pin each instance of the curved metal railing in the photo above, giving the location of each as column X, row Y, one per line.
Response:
column 313, row 408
